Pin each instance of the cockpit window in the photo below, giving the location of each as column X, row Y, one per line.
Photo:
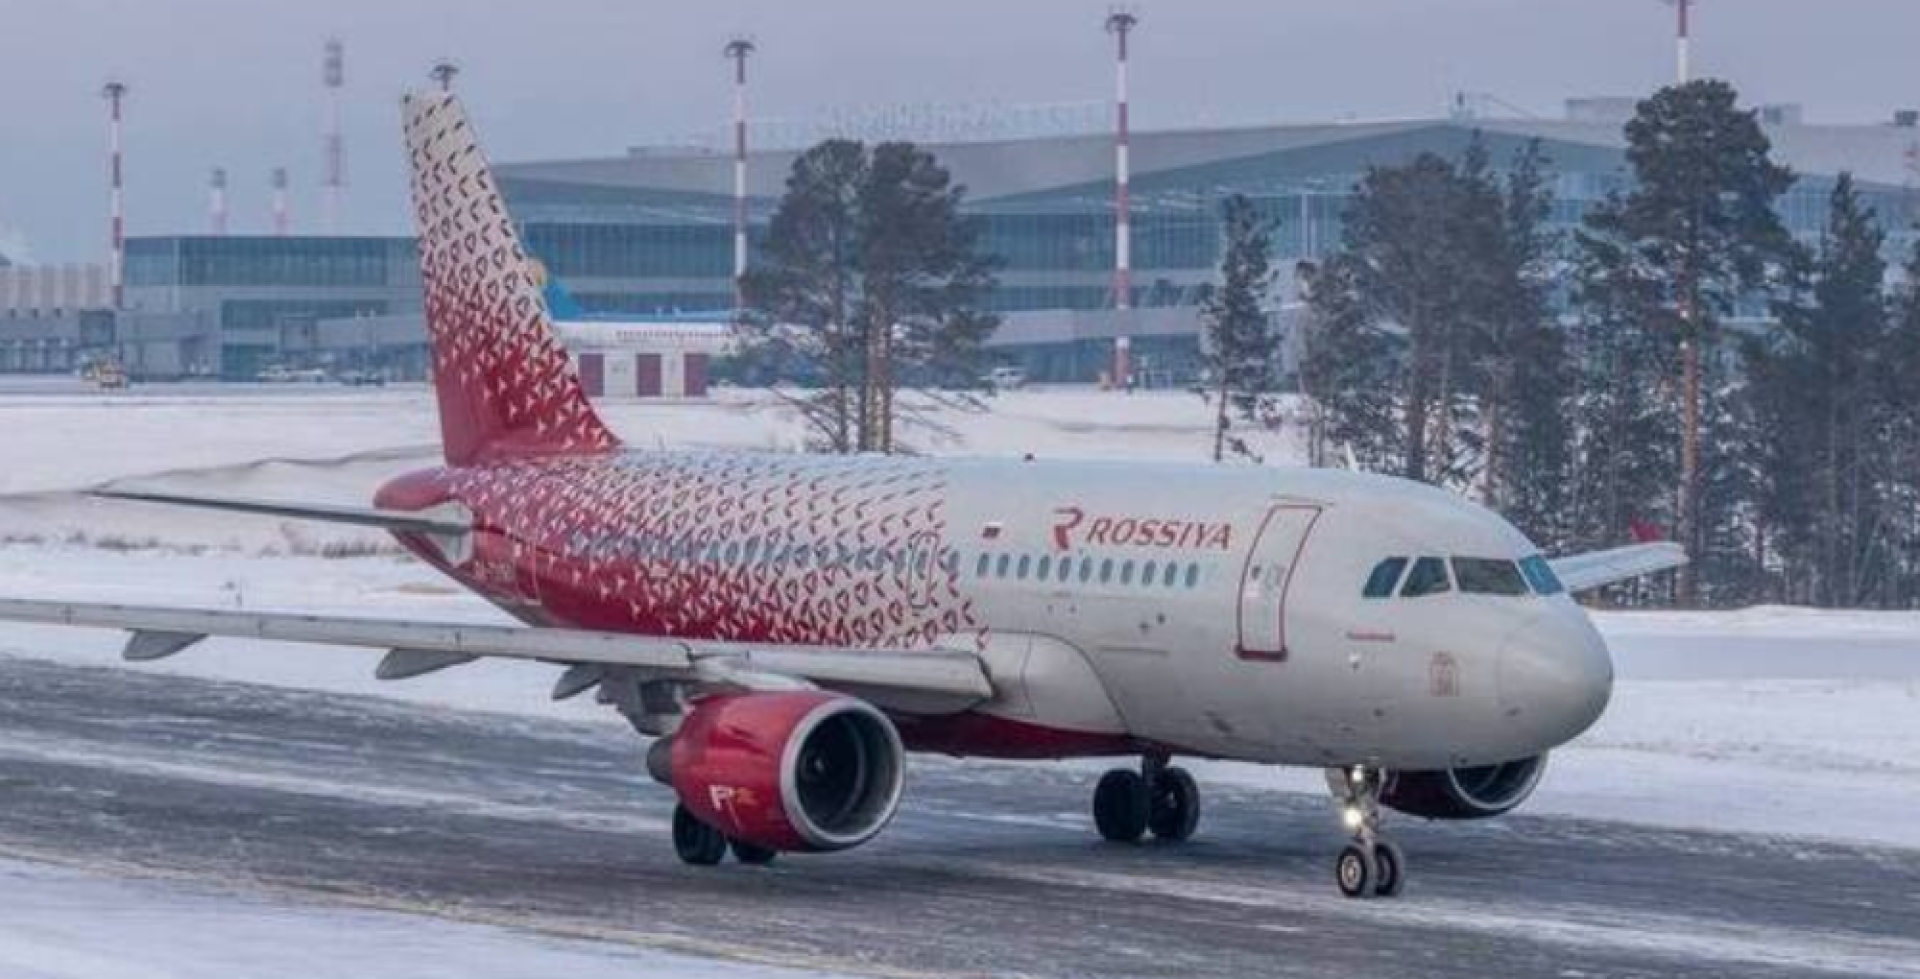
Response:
column 1428, row 577
column 1488, row 576
column 1385, row 575
column 1540, row 575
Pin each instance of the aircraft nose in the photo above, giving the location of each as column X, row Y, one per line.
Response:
column 1555, row 676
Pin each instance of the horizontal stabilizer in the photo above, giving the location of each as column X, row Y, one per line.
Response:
column 1597, row 569
column 449, row 527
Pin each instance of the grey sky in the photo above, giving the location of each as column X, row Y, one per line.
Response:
column 235, row 83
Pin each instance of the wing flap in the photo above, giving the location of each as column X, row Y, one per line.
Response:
column 1597, row 569
column 420, row 647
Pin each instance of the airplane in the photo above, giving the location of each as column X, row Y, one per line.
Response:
column 790, row 627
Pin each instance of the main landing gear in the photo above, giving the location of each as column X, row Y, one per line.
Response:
column 700, row 845
column 1160, row 798
column 1369, row 865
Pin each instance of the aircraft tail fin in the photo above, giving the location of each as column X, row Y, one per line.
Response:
column 505, row 385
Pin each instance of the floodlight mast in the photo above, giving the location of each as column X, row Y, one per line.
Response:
column 737, row 51
column 1682, row 39
column 115, row 92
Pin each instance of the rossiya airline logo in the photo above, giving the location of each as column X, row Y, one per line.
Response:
column 1073, row 527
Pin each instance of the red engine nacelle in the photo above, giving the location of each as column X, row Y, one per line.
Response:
column 787, row 771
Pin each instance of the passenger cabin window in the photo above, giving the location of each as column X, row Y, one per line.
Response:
column 1488, row 576
column 1385, row 575
column 1428, row 577
column 1540, row 575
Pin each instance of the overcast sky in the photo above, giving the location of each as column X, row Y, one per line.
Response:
column 235, row 83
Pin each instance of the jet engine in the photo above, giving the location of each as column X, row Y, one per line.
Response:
column 1474, row 792
column 790, row 771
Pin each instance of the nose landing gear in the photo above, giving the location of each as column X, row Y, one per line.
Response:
column 1369, row 865
column 1159, row 797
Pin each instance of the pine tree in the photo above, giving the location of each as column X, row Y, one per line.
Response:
column 1896, row 386
column 1700, row 225
column 1624, row 413
column 1432, row 346
column 1525, row 377
column 1242, row 353
column 1408, row 279
column 1350, row 373
column 1825, row 426
column 869, row 279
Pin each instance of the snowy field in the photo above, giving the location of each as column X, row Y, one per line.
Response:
column 1773, row 721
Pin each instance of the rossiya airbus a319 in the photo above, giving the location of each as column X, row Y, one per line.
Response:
column 789, row 627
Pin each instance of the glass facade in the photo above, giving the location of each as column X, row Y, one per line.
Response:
column 261, row 298
column 656, row 251
column 302, row 262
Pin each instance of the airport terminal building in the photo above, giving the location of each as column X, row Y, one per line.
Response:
column 647, row 236
column 650, row 231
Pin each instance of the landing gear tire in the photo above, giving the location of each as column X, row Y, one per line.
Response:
column 694, row 842
column 1370, row 865
column 751, row 855
column 1355, row 871
column 1174, row 810
column 1390, row 869
column 1122, row 806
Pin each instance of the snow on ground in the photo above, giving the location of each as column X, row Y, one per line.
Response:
column 57, row 923
column 1779, row 721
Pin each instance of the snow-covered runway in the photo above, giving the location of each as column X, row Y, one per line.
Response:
column 290, row 797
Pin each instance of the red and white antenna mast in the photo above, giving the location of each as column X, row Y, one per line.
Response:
column 217, row 201
column 333, row 74
column 115, row 92
column 1120, row 24
column 738, row 50
column 1683, row 39
column 280, row 201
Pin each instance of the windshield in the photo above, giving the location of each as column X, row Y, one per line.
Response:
column 1488, row 576
column 1428, row 577
column 1385, row 575
column 1540, row 575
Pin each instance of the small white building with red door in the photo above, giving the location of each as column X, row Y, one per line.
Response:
column 641, row 359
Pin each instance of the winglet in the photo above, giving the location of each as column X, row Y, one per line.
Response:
column 505, row 384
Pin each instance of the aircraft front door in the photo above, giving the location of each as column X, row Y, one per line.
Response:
column 1267, row 577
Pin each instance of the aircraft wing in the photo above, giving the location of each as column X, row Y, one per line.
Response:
column 1596, row 569
column 942, row 678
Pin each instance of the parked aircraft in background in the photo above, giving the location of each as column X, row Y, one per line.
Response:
column 790, row 627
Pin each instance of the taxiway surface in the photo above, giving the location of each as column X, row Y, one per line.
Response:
column 989, row 870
